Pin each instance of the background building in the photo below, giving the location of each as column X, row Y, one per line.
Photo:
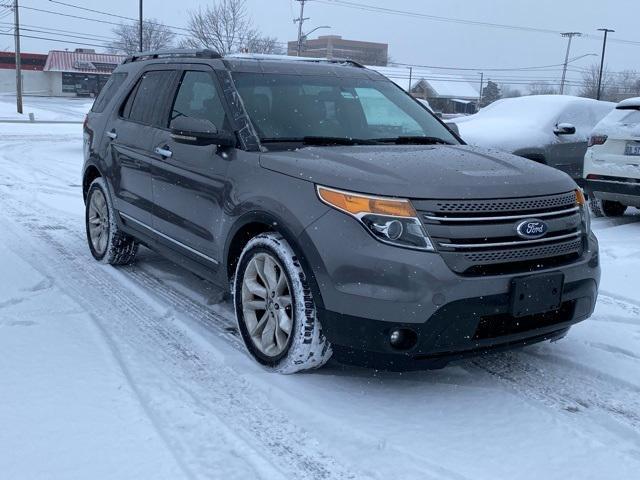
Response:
column 81, row 72
column 445, row 93
column 334, row 46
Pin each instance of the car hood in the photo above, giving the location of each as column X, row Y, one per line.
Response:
column 458, row 171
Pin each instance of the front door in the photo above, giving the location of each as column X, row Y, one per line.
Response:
column 189, row 180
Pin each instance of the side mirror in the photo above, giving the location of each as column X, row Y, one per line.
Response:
column 453, row 126
column 201, row 132
column 565, row 129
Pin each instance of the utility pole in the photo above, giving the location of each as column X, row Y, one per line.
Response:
column 410, row 79
column 604, row 48
column 570, row 36
column 300, row 21
column 481, row 87
column 141, row 22
column 18, row 59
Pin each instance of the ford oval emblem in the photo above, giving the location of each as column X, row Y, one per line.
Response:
column 532, row 228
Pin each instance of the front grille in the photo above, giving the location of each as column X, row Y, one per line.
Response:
column 479, row 237
column 507, row 205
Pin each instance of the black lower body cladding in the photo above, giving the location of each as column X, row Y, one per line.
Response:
column 371, row 292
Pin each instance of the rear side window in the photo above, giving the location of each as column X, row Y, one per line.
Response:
column 198, row 97
column 108, row 92
column 146, row 101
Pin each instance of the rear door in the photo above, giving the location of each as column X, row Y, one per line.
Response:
column 189, row 180
column 132, row 134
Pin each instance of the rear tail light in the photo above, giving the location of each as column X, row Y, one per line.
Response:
column 597, row 140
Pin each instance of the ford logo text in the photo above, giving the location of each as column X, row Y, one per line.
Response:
column 531, row 229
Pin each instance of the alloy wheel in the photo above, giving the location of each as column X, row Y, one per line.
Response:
column 267, row 305
column 98, row 222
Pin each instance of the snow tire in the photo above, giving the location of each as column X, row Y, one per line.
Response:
column 307, row 347
column 120, row 248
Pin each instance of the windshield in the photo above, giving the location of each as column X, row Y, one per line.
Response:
column 286, row 107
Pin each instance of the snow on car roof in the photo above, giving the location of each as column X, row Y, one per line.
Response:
column 629, row 103
column 537, row 107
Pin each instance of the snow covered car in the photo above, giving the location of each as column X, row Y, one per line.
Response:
column 550, row 129
column 612, row 161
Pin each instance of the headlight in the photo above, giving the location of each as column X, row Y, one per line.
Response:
column 581, row 201
column 390, row 220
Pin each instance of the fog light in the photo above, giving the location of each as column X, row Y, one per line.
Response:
column 403, row 339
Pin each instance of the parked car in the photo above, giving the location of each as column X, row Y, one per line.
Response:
column 612, row 162
column 549, row 129
column 344, row 217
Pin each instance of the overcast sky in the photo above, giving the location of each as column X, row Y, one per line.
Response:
column 411, row 40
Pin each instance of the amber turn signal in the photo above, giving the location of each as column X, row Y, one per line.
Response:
column 356, row 204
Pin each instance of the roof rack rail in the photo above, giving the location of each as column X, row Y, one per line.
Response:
column 177, row 53
column 261, row 56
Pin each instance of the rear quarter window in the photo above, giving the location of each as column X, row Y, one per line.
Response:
column 108, row 92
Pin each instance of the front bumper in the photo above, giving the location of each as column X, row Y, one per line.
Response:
column 625, row 191
column 367, row 288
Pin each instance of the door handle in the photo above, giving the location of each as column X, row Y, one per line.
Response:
column 163, row 152
column 112, row 134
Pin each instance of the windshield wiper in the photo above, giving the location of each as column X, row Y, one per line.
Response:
column 321, row 141
column 415, row 140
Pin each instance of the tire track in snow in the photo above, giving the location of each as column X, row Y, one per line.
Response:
column 259, row 425
column 566, row 386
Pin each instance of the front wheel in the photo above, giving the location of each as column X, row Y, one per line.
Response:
column 275, row 308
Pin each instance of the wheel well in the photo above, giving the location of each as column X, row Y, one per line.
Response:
column 89, row 176
column 240, row 240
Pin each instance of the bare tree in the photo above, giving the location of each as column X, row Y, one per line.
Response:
column 509, row 92
column 155, row 36
column 628, row 84
column 542, row 88
column 227, row 28
column 589, row 86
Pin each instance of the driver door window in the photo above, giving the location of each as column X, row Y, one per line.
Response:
column 199, row 98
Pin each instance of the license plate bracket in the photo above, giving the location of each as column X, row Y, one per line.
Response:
column 536, row 294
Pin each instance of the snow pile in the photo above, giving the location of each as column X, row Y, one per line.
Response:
column 511, row 124
column 623, row 122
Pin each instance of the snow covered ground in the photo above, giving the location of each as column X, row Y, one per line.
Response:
column 45, row 108
column 130, row 374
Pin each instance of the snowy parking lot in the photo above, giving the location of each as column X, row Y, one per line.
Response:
column 135, row 373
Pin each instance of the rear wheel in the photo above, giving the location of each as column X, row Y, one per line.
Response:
column 107, row 243
column 275, row 308
column 606, row 208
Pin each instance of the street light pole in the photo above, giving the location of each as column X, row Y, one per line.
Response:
column 18, row 57
column 570, row 36
column 604, row 48
column 140, row 29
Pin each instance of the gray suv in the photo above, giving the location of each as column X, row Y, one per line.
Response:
column 344, row 218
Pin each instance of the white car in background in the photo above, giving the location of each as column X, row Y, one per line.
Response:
column 550, row 129
column 612, row 161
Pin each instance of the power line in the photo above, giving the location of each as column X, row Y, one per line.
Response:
column 52, row 30
column 406, row 13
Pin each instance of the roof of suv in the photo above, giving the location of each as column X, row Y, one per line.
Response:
column 255, row 63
